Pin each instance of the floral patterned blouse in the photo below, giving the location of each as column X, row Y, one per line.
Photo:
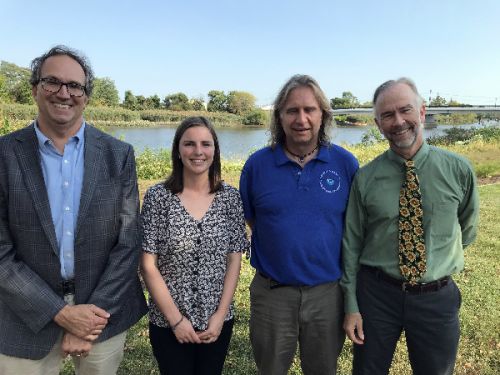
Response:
column 192, row 253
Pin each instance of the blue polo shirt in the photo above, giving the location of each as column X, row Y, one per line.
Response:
column 297, row 213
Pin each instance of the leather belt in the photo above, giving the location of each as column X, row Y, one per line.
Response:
column 419, row 288
column 68, row 287
column 273, row 284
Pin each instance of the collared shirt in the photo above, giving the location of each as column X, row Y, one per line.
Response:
column 450, row 215
column 297, row 213
column 192, row 254
column 63, row 176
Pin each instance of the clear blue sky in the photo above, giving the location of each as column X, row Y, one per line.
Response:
column 161, row 47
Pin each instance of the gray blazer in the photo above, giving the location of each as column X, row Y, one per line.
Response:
column 107, row 243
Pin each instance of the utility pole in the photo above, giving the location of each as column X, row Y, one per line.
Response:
column 430, row 97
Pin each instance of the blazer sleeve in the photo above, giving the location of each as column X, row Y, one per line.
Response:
column 22, row 291
column 120, row 273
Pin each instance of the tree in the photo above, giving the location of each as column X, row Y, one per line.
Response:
column 105, row 93
column 130, row 101
column 140, row 101
column 197, row 104
column 438, row 101
column 153, row 102
column 454, row 103
column 240, row 102
column 217, row 101
column 16, row 86
column 348, row 100
column 177, row 102
column 256, row 116
column 4, row 95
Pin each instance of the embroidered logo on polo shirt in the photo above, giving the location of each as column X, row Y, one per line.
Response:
column 329, row 181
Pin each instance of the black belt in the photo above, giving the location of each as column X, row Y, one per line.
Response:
column 68, row 287
column 273, row 284
column 420, row 288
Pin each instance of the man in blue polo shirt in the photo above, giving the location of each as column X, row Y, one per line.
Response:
column 294, row 195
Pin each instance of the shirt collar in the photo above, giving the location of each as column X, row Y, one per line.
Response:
column 280, row 157
column 43, row 140
column 418, row 158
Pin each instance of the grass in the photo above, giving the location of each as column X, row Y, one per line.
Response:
column 480, row 319
column 479, row 283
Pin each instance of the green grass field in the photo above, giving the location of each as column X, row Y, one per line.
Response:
column 480, row 318
column 479, row 351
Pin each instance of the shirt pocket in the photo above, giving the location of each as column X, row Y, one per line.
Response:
column 444, row 219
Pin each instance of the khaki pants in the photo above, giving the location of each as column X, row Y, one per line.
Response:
column 103, row 359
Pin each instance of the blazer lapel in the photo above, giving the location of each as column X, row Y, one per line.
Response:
column 92, row 164
column 28, row 156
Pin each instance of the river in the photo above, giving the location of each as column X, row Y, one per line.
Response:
column 238, row 143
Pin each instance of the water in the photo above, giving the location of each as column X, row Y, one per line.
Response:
column 238, row 143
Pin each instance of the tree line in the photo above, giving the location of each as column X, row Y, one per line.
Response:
column 15, row 88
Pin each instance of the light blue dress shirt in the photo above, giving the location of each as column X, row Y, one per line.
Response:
column 63, row 175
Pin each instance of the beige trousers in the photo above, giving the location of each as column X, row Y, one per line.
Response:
column 103, row 359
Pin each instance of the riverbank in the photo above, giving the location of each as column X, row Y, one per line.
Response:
column 19, row 114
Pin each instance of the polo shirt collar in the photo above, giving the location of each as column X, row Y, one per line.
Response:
column 418, row 158
column 280, row 157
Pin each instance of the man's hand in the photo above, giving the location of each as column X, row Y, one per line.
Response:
column 83, row 321
column 353, row 327
column 73, row 345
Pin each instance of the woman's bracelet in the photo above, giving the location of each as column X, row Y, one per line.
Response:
column 177, row 324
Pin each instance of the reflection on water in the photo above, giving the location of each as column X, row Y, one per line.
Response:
column 239, row 143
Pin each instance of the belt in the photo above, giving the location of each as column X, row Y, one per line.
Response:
column 68, row 287
column 273, row 284
column 419, row 288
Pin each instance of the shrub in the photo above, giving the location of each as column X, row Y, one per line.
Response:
column 175, row 117
column 93, row 114
column 153, row 165
column 256, row 117
column 14, row 111
column 454, row 135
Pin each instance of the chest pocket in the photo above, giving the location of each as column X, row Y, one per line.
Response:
column 444, row 219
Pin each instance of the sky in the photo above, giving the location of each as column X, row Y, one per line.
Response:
column 448, row 47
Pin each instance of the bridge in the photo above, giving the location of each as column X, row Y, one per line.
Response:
column 430, row 120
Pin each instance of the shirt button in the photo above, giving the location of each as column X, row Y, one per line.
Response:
column 69, row 233
column 194, row 290
column 198, row 241
column 66, row 161
column 199, row 226
column 299, row 173
column 68, row 255
column 66, row 183
column 66, row 208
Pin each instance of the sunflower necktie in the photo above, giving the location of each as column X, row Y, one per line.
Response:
column 412, row 262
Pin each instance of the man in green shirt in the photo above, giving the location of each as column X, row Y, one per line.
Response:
column 379, row 301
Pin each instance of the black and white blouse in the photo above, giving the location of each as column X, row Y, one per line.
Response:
column 192, row 253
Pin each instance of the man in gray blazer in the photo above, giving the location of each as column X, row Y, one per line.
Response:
column 69, row 232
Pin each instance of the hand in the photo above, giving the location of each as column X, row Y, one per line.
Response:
column 185, row 333
column 353, row 327
column 72, row 345
column 211, row 334
column 83, row 321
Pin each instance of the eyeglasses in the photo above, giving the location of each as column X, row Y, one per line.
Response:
column 54, row 86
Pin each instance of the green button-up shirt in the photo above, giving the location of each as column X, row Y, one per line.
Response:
column 450, row 215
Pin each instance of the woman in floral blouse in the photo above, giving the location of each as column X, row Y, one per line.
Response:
column 194, row 234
